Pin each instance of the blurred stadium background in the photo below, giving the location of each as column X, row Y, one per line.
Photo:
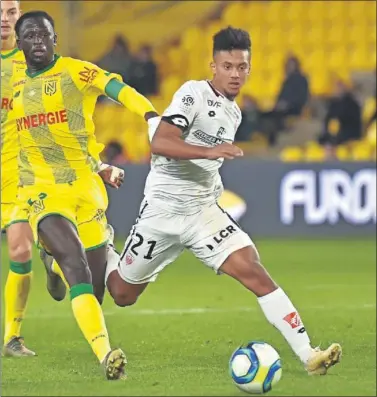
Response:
column 157, row 45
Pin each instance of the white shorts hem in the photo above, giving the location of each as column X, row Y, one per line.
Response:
column 145, row 280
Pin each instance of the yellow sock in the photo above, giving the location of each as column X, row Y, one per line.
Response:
column 89, row 316
column 56, row 269
column 16, row 293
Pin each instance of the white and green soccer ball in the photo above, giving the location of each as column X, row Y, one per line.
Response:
column 255, row 368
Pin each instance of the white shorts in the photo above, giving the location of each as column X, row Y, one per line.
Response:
column 158, row 238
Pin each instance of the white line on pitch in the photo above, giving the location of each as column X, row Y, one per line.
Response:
column 194, row 310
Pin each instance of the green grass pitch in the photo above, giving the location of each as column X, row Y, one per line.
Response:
column 179, row 336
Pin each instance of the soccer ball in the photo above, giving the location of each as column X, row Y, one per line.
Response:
column 255, row 368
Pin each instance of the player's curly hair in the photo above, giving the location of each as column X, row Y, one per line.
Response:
column 32, row 14
column 230, row 38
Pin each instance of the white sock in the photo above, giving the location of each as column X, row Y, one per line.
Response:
column 112, row 261
column 281, row 313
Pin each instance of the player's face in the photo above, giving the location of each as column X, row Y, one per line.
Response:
column 10, row 12
column 231, row 69
column 37, row 40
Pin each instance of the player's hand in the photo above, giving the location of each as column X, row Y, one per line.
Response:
column 112, row 176
column 224, row 150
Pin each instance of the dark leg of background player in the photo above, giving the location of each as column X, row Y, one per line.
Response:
column 62, row 241
column 97, row 260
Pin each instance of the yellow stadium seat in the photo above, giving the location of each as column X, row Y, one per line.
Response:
column 372, row 36
column 356, row 11
column 256, row 36
column 335, row 11
column 371, row 13
column 370, row 61
column 319, row 82
column 294, row 36
column 315, row 60
column 312, row 144
column 272, row 38
column 315, row 10
column 315, row 35
column 191, row 38
column 274, row 13
column 170, row 85
column 315, row 153
column 336, row 58
column 273, row 61
column 359, row 57
column 371, row 135
column 234, row 14
column 361, row 151
column 327, row 36
column 294, row 10
column 357, row 33
column 369, row 108
column 342, row 153
column 335, row 35
column 255, row 12
column 174, row 61
column 292, row 154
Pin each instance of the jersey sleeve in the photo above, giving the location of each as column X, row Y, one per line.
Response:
column 184, row 106
column 88, row 76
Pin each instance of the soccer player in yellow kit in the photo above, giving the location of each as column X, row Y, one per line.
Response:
column 53, row 105
column 13, row 219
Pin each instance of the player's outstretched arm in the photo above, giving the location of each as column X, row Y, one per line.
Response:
column 131, row 99
column 168, row 142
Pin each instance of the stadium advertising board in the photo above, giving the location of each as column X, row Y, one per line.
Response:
column 278, row 199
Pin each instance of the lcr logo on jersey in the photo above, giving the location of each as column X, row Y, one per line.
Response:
column 329, row 196
column 222, row 235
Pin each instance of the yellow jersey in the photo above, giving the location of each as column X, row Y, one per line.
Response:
column 11, row 61
column 53, row 112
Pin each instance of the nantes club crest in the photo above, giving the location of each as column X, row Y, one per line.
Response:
column 50, row 87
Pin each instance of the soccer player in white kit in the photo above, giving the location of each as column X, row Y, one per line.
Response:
column 180, row 208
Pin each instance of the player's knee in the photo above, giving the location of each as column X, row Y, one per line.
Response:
column 123, row 299
column 246, row 267
column 20, row 251
column 20, row 241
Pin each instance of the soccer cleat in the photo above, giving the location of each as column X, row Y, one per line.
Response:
column 16, row 348
column 114, row 365
column 55, row 285
column 321, row 360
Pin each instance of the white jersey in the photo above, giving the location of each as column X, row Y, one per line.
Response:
column 206, row 118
